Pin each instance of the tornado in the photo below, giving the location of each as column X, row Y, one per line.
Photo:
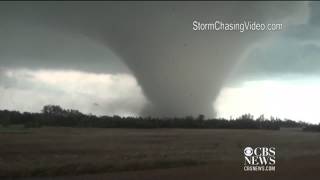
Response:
column 180, row 70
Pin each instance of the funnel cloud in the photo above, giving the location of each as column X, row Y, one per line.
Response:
column 180, row 71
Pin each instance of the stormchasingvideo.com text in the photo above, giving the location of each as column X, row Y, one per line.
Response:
column 240, row 26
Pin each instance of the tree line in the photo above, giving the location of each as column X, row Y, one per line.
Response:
column 54, row 115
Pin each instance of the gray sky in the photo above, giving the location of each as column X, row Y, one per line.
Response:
column 143, row 58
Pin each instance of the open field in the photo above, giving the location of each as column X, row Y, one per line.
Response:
column 148, row 153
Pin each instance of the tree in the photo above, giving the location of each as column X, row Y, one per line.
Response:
column 6, row 120
column 53, row 110
column 261, row 118
column 201, row 117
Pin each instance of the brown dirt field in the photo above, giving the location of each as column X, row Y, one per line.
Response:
column 74, row 153
column 297, row 168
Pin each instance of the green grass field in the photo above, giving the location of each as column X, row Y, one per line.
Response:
column 76, row 151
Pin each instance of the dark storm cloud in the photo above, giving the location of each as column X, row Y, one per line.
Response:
column 34, row 46
column 283, row 57
column 315, row 14
column 181, row 71
column 295, row 52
